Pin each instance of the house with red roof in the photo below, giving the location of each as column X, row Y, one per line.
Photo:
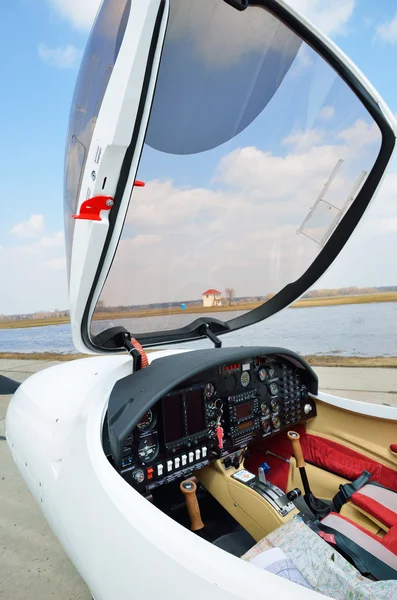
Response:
column 212, row 298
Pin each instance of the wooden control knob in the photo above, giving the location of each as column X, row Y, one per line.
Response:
column 294, row 437
column 189, row 489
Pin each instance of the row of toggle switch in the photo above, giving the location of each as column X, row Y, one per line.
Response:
column 173, row 464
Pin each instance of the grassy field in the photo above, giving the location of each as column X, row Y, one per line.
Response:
column 315, row 361
column 303, row 303
column 336, row 300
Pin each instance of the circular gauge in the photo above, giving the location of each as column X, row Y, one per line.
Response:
column 273, row 389
column 276, row 421
column 265, row 409
column 265, row 425
column 209, row 390
column 262, row 374
column 148, row 421
column 148, row 449
column 245, row 378
column 271, row 371
column 274, row 405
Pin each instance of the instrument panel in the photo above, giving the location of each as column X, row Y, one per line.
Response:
column 214, row 414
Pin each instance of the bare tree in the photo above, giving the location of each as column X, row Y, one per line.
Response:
column 229, row 292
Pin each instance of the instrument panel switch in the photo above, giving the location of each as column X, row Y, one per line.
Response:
column 191, row 457
column 219, row 436
column 169, row 466
column 198, row 454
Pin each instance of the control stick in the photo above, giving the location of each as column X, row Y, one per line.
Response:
column 294, row 437
column 320, row 508
column 189, row 489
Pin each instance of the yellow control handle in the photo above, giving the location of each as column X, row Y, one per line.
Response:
column 294, row 437
column 189, row 489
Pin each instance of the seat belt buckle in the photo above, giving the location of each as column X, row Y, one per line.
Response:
column 340, row 498
column 348, row 489
column 343, row 493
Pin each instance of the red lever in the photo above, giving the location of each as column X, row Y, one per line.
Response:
column 91, row 209
column 139, row 183
column 219, row 436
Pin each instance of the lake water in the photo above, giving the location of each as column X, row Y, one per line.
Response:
column 346, row 330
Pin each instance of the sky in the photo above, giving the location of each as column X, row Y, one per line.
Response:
column 40, row 71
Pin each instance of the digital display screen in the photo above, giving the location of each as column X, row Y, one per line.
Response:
column 243, row 410
column 173, row 418
column 245, row 425
column 195, row 412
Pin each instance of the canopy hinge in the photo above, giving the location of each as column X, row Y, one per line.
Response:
column 205, row 330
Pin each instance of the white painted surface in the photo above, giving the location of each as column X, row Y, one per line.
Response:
column 119, row 542
column 113, row 132
column 363, row 408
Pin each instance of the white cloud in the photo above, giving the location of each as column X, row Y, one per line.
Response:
column 388, row 31
column 55, row 264
column 330, row 17
column 80, row 13
column 66, row 57
column 304, row 140
column 37, row 266
column 32, row 228
column 242, row 231
column 47, row 243
column 361, row 132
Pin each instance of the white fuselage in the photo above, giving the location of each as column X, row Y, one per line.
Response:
column 120, row 543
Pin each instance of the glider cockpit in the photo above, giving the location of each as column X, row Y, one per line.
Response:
column 261, row 146
column 211, row 415
column 211, row 438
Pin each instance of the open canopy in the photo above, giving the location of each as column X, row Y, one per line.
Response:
column 259, row 153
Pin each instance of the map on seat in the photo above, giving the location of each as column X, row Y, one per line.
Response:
column 322, row 567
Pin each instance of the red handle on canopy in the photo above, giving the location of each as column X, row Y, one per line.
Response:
column 91, row 209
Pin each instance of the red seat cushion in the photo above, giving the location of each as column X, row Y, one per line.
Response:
column 378, row 502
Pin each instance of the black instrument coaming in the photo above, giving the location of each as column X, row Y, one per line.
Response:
column 133, row 395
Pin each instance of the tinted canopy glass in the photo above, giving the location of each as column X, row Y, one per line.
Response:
column 255, row 150
column 96, row 68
